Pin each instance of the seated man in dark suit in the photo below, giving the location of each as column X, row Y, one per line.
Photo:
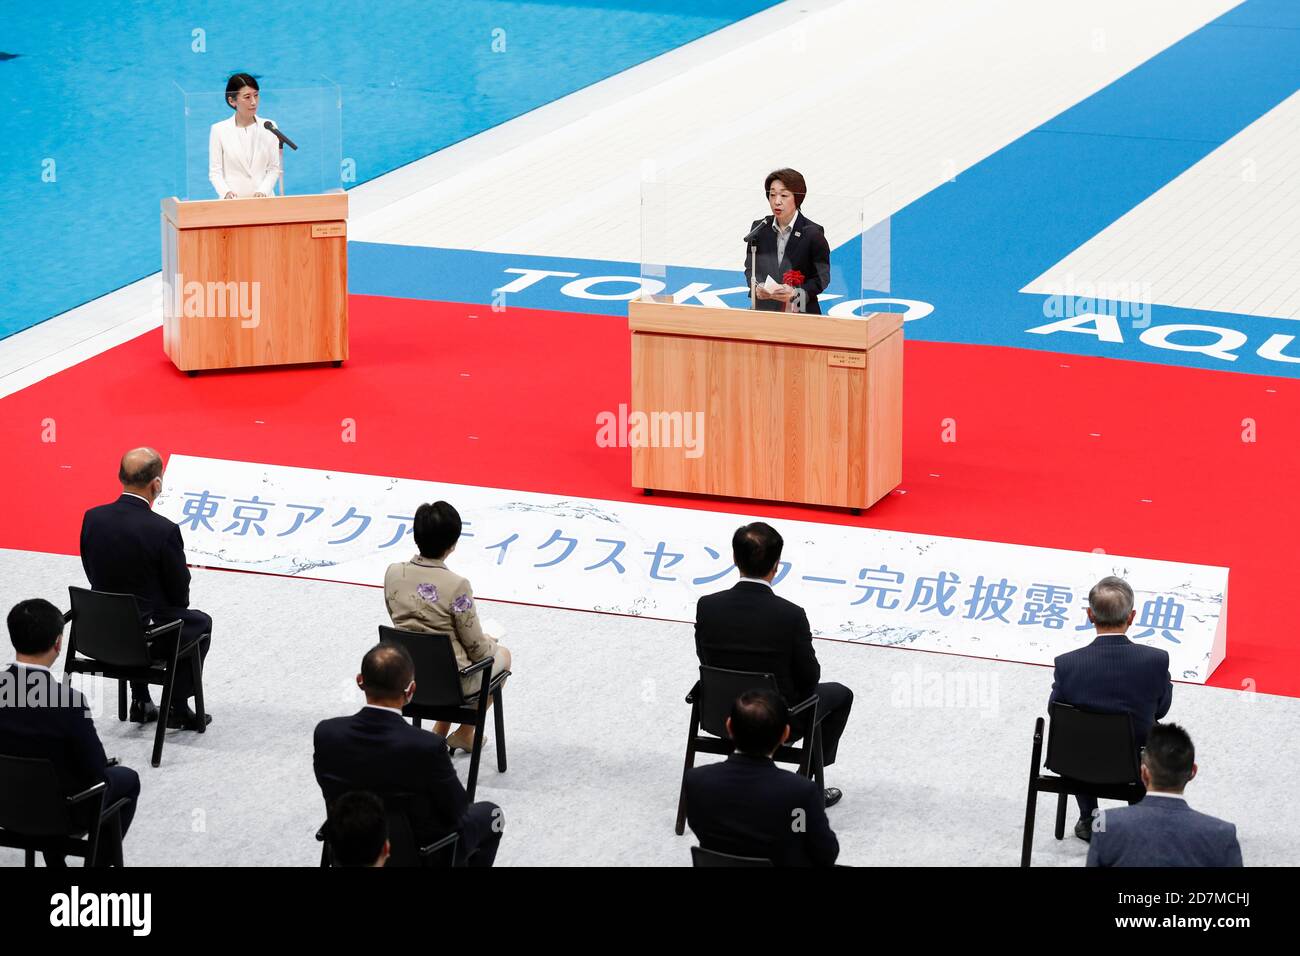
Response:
column 358, row 830
column 126, row 548
column 749, row 628
column 1162, row 830
column 377, row 750
column 43, row 719
column 1113, row 675
column 747, row 805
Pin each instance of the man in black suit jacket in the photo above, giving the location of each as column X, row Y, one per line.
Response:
column 750, row 628
column 1113, row 675
column 1162, row 830
column 747, row 805
column 127, row 548
column 377, row 750
column 787, row 240
column 41, row 718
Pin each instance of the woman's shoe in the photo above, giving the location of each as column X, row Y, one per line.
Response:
column 453, row 745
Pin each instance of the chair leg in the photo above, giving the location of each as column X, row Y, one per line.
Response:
column 121, row 700
column 1060, row 815
column 417, row 723
column 159, row 734
column 1027, row 846
column 161, row 731
column 1031, row 801
column 113, row 857
column 499, row 721
column 819, row 766
column 169, row 686
column 690, row 762
column 94, row 844
column 196, row 662
column 29, row 857
column 480, row 730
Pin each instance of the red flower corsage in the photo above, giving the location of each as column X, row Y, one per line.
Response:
column 793, row 278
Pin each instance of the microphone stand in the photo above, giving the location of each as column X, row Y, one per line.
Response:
column 753, row 273
column 752, row 241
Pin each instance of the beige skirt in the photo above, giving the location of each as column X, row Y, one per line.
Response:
column 470, row 685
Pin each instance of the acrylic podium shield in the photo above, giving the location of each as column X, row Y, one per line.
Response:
column 795, row 407
column 258, row 281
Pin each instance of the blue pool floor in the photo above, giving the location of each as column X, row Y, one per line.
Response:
column 91, row 117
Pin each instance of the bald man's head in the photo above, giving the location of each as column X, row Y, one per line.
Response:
column 139, row 469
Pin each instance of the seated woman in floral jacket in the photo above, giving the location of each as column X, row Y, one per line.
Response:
column 423, row 594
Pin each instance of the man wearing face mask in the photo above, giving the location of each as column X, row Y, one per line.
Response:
column 127, row 548
column 377, row 750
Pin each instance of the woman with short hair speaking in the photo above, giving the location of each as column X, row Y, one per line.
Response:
column 788, row 248
column 243, row 155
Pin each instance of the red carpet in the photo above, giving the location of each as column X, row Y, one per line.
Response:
column 462, row 394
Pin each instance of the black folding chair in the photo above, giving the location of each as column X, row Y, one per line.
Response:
column 711, row 701
column 703, row 857
column 1090, row 754
column 107, row 630
column 35, row 814
column 438, row 693
column 403, row 851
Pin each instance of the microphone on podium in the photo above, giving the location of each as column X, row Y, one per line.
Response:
column 284, row 140
column 764, row 223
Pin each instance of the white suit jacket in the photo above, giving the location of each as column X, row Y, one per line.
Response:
column 229, row 169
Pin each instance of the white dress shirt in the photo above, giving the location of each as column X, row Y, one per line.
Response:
column 783, row 236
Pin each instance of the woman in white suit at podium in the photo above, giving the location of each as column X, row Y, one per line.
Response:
column 243, row 155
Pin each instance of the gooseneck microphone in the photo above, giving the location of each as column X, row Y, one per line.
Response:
column 764, row 223
column 284, row 140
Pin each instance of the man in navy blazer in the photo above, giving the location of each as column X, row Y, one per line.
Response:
column 377, row 750
column 747, row 805
column 787, row 241
column 128, row 548
column 751, row 628
column 44, row 719
column 1113, row 675
column 1162, row 830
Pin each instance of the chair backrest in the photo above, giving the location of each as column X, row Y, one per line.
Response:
column 718, row 690
column 107, row 628
column 32, row 801
column 437, row 676
column 1091, row 747
column 703, row 857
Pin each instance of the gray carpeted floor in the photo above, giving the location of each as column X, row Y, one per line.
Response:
column 596, row 726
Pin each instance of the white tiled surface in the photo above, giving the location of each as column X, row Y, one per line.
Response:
column 891, row 100
column 1223, row 237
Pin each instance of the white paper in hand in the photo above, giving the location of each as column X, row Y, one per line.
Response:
column 771, row 285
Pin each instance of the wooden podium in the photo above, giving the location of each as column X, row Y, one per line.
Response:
column 255, row 281
column 795, row 408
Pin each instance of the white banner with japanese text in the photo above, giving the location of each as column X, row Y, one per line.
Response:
column 958, row 596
